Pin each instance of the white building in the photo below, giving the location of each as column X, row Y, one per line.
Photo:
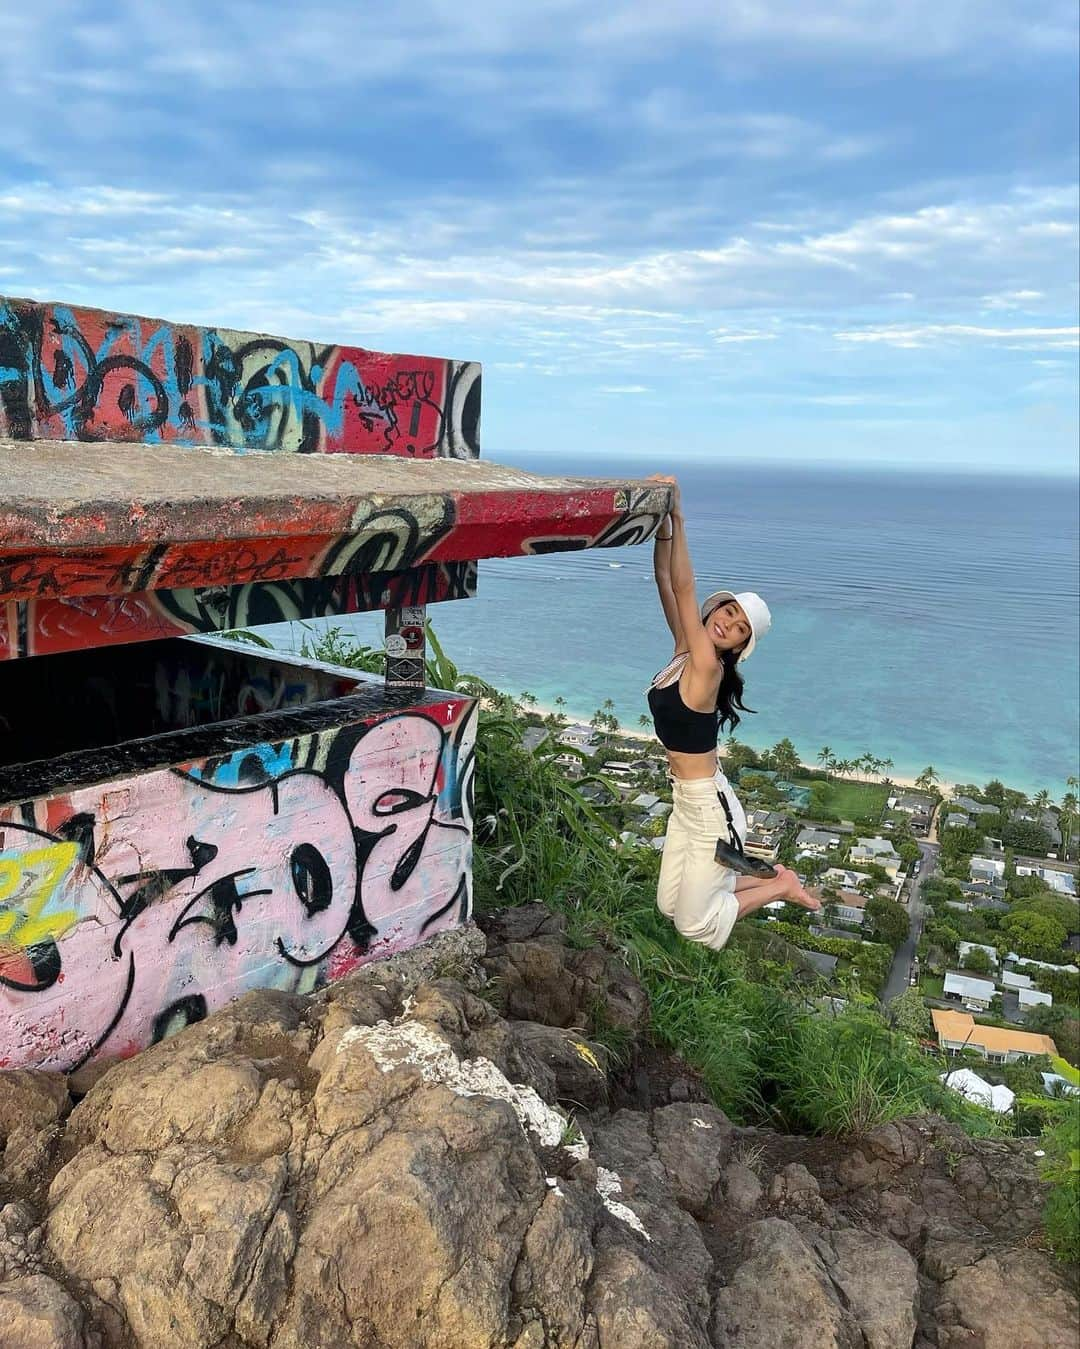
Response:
column 843, row 879
column 969, row 990
column 987, row 868
column 1013, row 959
column 1063, row 882
column 1010, row 979
column 816, row 842
column 1033, row 997
column 580, row 737
column 1056, row 1085
column 878, row 851
column 764, row 834
column 971, row 1086
column 966, row 946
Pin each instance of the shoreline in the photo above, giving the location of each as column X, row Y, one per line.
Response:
column 946, row 789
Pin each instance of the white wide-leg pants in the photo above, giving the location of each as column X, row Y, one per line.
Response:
column 695, row 891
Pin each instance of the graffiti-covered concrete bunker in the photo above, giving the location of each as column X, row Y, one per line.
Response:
column 182, row 820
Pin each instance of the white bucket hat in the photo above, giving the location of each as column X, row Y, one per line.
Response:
column 753, row 606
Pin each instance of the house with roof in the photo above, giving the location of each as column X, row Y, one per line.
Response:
column 570, row 764
column 1011, row 958
column 580, row 737
column 973, row 807
column 911, row 803
column 969, row 989
column 534, row 736
column 959, row 820
column 990, row 904
column 1010, row 979
column 959, row 1030
column 816, row 842
column 965, row 946
column 1033, row 997
column 878, row 851
column 850, row 906
column 1059, row 879
column 841, row 878
column 1056, row 1085
column 967, row 1083
column 917, row 807
column 823, row 964
column 985, row 894
column 644, row 801
column 846, row 906
column 987, row 870
column 1045, row 819
column 765, row 831
column 840, row 932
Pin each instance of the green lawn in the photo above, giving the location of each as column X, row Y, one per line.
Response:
column 932, row 986
column 851, row 800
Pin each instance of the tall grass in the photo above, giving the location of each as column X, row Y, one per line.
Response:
column 739, row 1016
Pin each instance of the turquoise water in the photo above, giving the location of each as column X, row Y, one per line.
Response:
column 930, row 618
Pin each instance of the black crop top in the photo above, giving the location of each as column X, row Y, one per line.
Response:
column 679, row 727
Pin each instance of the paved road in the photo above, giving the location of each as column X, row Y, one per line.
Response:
column 901, row 966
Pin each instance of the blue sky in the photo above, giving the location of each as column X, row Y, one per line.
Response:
column 753, row 229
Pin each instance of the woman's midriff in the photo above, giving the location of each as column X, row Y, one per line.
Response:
column 692, row 767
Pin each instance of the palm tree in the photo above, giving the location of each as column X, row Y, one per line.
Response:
column 1041, row 799
column 888, row 766
column 1067, row 820
column 644, row 721
column 928, row 777
column 825, row 758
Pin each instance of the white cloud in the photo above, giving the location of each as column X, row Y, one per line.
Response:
column 623, row 388
column 723, row 335
column 899, row 335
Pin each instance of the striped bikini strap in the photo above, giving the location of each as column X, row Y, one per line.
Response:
column 671, row 671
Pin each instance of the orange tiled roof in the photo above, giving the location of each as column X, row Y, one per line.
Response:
column 959, row 1026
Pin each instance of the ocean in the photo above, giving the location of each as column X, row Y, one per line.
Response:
column 930, row 618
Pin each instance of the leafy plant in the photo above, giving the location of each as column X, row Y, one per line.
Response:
column 1061, row 1165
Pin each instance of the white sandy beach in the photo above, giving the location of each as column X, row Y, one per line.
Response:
column 899, row 779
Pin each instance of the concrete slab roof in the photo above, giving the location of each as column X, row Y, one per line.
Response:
column 85, row 518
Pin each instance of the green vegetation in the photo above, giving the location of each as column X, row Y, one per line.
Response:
column 932, row 986
column 888, row 920
column 1034, row 934
column 908, row 1014
column 1060, row 1119
column 846, row 800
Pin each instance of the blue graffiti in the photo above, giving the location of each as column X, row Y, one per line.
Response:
column 247, row 767
column 258, row 395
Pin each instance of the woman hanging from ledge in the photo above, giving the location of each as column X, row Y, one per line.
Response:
column 707, row 881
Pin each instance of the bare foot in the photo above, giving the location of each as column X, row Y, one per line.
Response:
column 794, row 892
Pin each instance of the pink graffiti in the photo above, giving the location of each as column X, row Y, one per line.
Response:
column 185, row 893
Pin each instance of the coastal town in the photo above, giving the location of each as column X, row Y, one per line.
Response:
column 956, row 909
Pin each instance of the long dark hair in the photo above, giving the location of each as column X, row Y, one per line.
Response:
column 729, row 695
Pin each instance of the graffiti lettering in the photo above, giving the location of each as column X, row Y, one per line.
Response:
column 127, row 912
column 78, row 374
column 51, row 625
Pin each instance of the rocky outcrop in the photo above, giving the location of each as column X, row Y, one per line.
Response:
column 400, row 1162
